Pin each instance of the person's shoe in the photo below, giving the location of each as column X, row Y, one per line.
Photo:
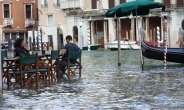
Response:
column 63, row 75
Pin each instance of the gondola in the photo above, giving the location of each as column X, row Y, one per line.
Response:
column 173, row 54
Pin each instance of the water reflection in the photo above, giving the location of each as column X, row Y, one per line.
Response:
column 104, row 85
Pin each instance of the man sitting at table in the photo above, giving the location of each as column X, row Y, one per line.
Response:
column 69, row 46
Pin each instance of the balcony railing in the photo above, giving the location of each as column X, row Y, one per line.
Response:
column 174, row 6
column 158, row 1
column 129, row 0
column 29, row 22
column 70, row 4
column 8, row 22
column 44, row 5
column 56, row 4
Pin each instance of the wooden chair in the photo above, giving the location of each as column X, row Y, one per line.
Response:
column 26, row 74
column 44, row 72
column 28, row 71
column 50, row 63
column 55, row 54
column 54, row 68
column 73, row 65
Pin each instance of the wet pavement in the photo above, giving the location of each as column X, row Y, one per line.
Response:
column 104, row 85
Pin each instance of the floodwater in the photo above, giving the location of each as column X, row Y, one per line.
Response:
column 105, row 86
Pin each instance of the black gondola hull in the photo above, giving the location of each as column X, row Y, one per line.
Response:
column 157, row 53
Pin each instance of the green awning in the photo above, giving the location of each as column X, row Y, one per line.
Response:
column 141, row 6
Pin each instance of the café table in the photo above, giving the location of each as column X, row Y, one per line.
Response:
column 11, row 62
column 10, row 65
column 50, row 62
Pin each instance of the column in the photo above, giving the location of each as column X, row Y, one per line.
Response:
column 147, row 30
column 168, row 35
column 92, row 32
column 1, row 34
column 139, row 27
column 154, row 33
column 114, row 28
column 127, row 34
column 162, row 30
column 151, row 35
column 105, row 34
column 132, row 31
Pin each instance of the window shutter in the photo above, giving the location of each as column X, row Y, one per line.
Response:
column 122, row 1
column 111, row 3
column 50, row 20
column 179, row 2
column 94, row 4
column 167, row 3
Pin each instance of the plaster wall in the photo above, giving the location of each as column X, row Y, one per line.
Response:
column 174, row 24
column 58, row 14
column 112, row 30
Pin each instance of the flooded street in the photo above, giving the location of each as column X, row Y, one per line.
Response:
column 104, row 85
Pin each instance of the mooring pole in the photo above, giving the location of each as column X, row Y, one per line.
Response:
column 119, row 45
column 89, row 38
column 158, row 36
column 165, row 45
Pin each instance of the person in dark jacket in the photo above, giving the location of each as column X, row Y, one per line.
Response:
column 69, row 46
column 19, row 47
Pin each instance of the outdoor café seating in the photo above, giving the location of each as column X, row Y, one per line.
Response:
column 6, row 54
column 72, row 67
column 55, row 55
column 50, row 60
column 26, row 72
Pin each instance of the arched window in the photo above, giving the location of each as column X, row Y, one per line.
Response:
column 75, row 34
column 182, row 24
